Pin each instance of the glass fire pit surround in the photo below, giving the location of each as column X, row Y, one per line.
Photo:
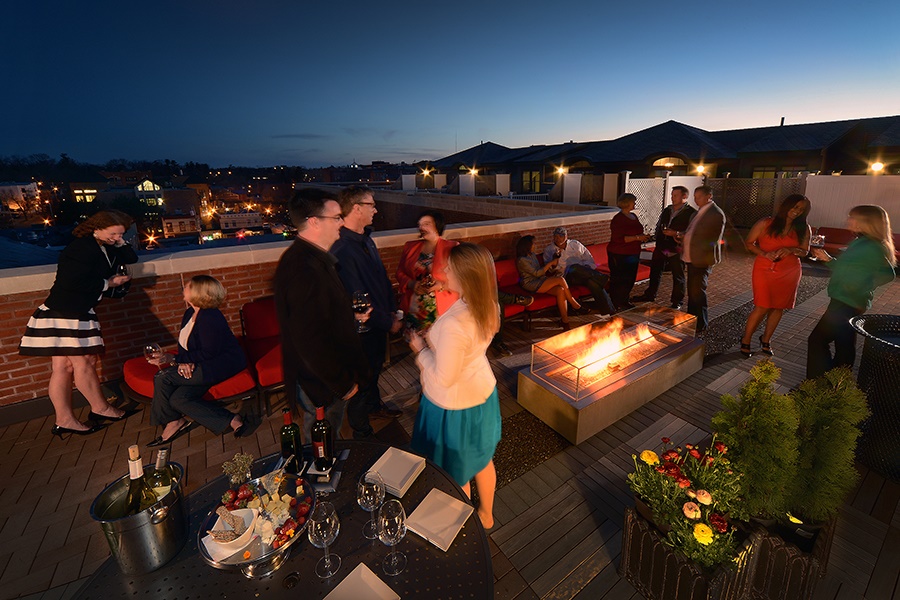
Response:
column 579, row 362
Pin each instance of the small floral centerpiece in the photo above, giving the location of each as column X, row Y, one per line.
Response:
column 695, row 493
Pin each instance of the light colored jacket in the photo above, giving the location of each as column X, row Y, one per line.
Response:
column 455, row 370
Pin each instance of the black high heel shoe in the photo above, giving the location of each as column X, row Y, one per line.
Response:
column 100, row 418
column 745, row 350
column 766, row 348
column 65, row 431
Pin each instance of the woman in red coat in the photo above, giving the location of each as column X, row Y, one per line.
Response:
column 424, row 294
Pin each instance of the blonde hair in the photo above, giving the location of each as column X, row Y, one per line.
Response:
column 875, row 224
column 206, row 291
column 473, row 267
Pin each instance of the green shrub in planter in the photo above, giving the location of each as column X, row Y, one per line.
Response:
column 759, row 428
column 830, row 408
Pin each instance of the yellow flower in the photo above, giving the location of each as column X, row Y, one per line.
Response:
column 650, row 457
column 703, row 534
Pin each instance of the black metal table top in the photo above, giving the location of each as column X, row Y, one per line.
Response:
column 464, row 571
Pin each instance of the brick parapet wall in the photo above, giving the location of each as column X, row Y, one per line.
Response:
column 153, row 308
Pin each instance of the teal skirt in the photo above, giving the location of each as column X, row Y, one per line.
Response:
column 462, row 442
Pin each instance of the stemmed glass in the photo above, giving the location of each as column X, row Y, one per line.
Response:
column 391, row 529
column 122, row 270
column 816, row 241
column 370, row 495
column 323, row 527
column 152, row 351
column 361, row 303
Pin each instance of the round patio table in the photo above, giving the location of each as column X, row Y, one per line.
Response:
column 464, row 571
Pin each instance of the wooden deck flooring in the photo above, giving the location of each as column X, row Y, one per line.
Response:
column 559, row 525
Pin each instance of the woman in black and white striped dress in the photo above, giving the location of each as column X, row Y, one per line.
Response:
column 65, row 326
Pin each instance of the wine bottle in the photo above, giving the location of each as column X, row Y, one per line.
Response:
column 290, row 442
column 161, row 479
column 139, row 496
column 323, row 450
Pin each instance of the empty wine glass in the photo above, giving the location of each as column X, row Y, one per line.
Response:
column 370, row 495
column 361, row 303
column 391, row 526
column 322, row 528
column 152, row 351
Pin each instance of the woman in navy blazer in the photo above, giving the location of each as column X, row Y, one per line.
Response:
column 208, row 353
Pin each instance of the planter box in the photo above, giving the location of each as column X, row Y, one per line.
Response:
column 785, row 572
column 658, row 572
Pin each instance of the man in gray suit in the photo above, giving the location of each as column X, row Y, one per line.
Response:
column 702, row 250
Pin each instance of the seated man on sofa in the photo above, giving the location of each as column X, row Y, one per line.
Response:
column 578, row 267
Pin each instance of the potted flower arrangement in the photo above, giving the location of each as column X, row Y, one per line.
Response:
column 760, row 428
column 694, row 493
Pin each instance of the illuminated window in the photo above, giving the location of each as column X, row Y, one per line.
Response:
column 668, row 162
column 182, row 227
column 531, row 182
column 764, row 173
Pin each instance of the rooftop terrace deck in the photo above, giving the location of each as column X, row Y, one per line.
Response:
column 51, row 544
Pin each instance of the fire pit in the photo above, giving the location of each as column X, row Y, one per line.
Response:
column 583, row 380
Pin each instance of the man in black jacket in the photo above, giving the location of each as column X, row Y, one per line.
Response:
column 674, row 219
column 361, row 270
column 323, row 359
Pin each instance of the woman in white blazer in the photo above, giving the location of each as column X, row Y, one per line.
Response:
column 458, row 422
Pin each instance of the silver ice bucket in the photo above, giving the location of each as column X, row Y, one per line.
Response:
column 146, row 541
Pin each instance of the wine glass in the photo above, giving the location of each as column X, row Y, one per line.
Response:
column 322, row 528
column 152, row 351
column 361, row 303
column 816, row 241
column 122, row 270
column 370, row 495
column 391, row 526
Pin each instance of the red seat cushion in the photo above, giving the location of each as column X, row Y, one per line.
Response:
column 598, row 251
column 259, row 320
column 837, row 235
column 510, row 310
column 240, row 383
column 579, row 290
column 643, row 273
column 269, row 370
column 139, row 374
column 255, row 349
column 507, row 273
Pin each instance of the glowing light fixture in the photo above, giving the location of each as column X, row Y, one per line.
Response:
column 701, row 169
column 877, row 167
column 473, row 171
column 669, row 165
column 560, row 170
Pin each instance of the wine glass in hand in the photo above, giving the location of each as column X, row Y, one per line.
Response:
column 391, row 526
column 370, row 495
column 122, row 270
column 322, row 528
column 361, row 304
column 153, row 352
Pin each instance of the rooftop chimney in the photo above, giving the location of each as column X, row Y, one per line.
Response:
column 782, row 122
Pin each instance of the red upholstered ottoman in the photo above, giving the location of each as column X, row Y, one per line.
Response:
column 137, row 384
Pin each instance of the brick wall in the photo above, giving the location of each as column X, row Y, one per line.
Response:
column 153, row 308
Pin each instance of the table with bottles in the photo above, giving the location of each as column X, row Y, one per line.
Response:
column 464, row 571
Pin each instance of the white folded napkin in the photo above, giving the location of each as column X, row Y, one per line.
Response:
column 399, row 470
column 439, row 518
column 362, row 584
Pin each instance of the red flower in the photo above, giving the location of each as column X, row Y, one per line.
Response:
column 660, row 469
column 718, row 522
column 670, row 455
column 672, row 469
column 683, row 482
column 695, row 453
column 666, row 440
column 707, row 460
column 720, row 447
column 689, row 446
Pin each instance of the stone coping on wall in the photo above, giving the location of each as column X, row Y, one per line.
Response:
column 37, row 278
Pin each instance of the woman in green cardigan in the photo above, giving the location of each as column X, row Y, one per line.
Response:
column 867, row 263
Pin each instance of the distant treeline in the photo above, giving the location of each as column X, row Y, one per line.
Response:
column 43, row 167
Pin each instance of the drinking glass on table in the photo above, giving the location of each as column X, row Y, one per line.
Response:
column 361, row 303
column 369, row 496
column 322, row 528
column 391, row 526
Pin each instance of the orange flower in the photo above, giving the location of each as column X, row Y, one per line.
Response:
column 704, row 497
column 691, row 510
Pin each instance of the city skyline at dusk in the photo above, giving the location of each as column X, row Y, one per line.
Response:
column 325, row 84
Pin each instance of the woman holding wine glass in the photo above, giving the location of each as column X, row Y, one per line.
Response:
column 458, row 422
column 424, row 294
column 778, row 243
column 65, row 326
column 208, row 353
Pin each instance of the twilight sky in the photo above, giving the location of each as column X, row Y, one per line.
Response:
column 318, row 83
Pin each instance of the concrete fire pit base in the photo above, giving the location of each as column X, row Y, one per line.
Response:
column 578, row 420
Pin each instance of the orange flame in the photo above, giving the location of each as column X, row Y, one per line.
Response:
column 598, row 346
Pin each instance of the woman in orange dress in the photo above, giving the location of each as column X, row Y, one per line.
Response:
column 778, row 243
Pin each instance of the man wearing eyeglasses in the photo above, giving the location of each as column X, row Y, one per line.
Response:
column 360, row 268
column 323, row 358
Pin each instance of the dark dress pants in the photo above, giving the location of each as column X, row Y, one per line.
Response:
column 623, row 270
column 174, row 397
column 834, row 326
column 697, row 280
column 657, row 266
column 368, row 398
column 596, row 282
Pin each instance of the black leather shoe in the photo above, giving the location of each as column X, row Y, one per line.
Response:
column 386, row 413
column 159, row 441
column 675, row 306
column 524, row 300
column 100, row 418
column 59, row 432
column 643, row 298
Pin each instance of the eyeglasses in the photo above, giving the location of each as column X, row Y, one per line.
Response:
column 372, row 204
column 336, row 217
